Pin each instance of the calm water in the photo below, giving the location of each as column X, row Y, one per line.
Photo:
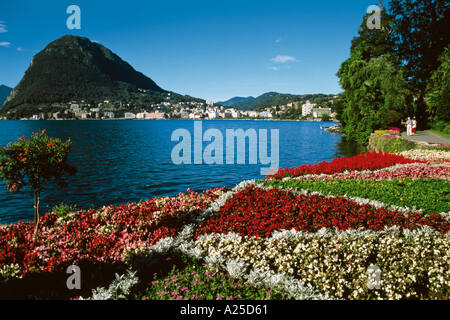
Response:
column 122, row 161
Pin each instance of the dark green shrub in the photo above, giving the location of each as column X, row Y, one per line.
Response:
column 62, row 209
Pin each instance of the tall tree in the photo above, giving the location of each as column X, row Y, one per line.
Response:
column 419, row 36
column 375, row 93
column 372, row 43
column 438, row 90
column 375, row 96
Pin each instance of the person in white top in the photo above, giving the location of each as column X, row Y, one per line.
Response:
column 409, row 127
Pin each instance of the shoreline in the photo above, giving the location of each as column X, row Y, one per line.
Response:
column 123, row 119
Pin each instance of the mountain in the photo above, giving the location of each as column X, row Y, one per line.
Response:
column 4, row 93
column 234, row 100
column 272, row 99
column 251, row 104
column 74, row 68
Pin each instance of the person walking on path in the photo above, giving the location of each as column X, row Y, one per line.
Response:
column 409, row 127
column 414, row 126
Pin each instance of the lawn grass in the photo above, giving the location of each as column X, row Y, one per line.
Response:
column 440, row 133
column 431, row 195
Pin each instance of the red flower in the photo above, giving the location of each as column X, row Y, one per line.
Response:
column 256, row 212
column 364, row 161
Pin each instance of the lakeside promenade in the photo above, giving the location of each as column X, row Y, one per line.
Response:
column 427, row 136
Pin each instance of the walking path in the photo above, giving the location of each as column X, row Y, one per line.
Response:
column 427, row 136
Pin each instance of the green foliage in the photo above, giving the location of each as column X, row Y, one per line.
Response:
column 375, row 96
column 438, row 91
column 325, row 117
column 62, row 209
column 447, row 129
column 375, row 93
column 413, row 35
column 35, row 162
column 195, row 281
column 431, row 195
column 440, row 125
column 419, row 34
column 373, row 43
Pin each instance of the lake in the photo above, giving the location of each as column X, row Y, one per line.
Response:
column 122, row 161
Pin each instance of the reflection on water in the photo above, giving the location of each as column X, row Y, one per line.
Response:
column 122, row 161
column 348, row 148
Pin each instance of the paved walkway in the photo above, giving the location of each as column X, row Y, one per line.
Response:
column 427, row 136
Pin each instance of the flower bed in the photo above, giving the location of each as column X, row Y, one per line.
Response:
column 430, row 195
column 239, row 238
column 413, row 171
column 258, row 212
column 106, row 235
column 198, row 282
column 237, row 245
column 365, row 161
column 414, row 265
column 429, row 155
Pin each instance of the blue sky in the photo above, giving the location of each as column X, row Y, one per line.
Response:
column 209, row 49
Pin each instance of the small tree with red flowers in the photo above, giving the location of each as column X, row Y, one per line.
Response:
column 35, row 163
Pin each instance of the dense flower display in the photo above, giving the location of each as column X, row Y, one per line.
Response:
column 104, row 235
column 429, row 155
column 413, row 265
column 314, row 234
column 258, row 212
column 365, row 161
column 414, row 171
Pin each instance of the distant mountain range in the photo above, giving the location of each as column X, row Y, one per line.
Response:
column 4, row 93
column 234, row 100
column 74, row 68
column 271, row 99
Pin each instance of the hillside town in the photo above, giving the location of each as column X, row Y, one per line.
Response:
column 206, row 110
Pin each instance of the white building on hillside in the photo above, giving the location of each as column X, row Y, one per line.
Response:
column 266, row 114
column 129, row 115
column 235, row 113
column 212, row 114
column 307, row 108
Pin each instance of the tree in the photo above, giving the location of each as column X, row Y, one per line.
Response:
column 438, row 90
column 35, row 163
column 375, row 96
column 419, row 36
column 376, row 42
